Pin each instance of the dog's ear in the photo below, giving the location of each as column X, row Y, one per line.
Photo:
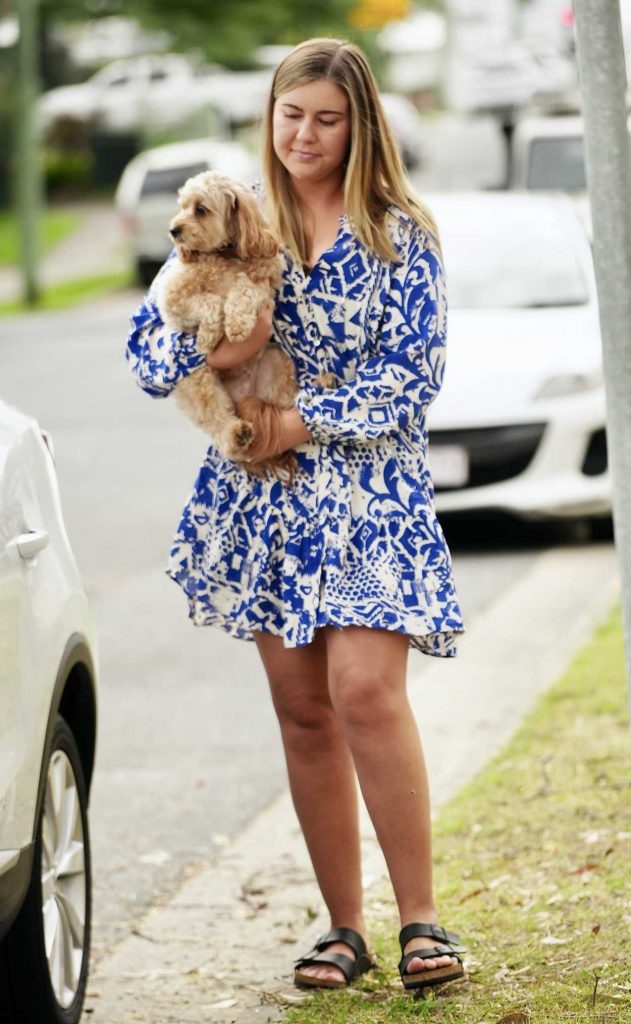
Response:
column 254, row 237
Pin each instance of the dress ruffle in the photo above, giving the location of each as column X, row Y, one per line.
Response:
column 256, row 554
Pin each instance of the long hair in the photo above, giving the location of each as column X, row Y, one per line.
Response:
column 374, row 177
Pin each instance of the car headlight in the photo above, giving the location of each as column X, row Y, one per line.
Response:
column 570, row 384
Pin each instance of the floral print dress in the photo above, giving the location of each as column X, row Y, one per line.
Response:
column 354, row 538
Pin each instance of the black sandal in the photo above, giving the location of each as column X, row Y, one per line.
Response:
column 449, row 946
column 350, row 968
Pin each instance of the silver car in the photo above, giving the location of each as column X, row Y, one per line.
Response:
column 146, row 197
column 48, row 710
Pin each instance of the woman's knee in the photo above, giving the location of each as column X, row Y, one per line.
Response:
column 298, row 684
column 364, row 697
column 305, row 714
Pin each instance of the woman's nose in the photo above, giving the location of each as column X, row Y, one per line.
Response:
column 305, row 130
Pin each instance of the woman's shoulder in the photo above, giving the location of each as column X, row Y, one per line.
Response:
column 408, row 235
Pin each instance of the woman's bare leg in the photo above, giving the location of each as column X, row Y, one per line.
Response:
column 367, row 683
column 321, row 778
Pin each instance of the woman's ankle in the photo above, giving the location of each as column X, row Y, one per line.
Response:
column 354, row 921
column 422, row 913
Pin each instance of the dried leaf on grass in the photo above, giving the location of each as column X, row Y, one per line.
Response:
column 515, row 1017
column 590, row 866
column 474, row 892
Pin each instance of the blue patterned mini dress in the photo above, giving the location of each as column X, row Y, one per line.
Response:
column 353, row 540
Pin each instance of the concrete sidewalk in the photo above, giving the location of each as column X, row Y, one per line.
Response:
column 96, row 247
column 222, row 949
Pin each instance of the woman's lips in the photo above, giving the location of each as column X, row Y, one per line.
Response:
column 304, row 155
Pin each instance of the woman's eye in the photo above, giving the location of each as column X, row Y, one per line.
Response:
column 200, row 210
column 327, row 122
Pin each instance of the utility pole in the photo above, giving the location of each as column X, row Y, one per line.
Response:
column 603, row 83
column 28, row 175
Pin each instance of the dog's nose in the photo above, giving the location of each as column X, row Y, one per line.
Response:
column 175, row 232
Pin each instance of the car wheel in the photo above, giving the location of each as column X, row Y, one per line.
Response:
column 46, row 951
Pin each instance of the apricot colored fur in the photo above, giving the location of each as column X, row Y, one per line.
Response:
column 228, row 265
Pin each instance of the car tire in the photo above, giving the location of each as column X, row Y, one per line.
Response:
column 37, row 985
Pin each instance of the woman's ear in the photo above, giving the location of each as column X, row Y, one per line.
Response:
column 254, row 237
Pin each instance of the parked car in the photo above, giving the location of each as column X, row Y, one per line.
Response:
column 548, row 153
column 147, row 192
column 48, row 703
column 132, row 94
column 519, row 425
column 407, row 124
column 93, row 43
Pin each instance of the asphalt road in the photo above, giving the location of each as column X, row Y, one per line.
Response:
column 188, row 747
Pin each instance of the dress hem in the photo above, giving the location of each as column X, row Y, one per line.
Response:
column 419, row 641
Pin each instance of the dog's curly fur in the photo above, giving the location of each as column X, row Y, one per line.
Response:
column 228, row 266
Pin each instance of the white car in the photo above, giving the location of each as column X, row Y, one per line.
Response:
column 407, row 124
column 48, row 716
column 548, row 153
column 146, row 197
column 158, row 91
column 519, row 425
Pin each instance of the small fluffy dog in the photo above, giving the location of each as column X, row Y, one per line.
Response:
column 228, row 266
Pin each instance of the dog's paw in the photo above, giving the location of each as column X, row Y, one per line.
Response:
column 239, row 329
column 209, row 338
column 326, row 380
column 240, row 437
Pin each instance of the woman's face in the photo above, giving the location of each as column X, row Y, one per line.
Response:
column 312, row 130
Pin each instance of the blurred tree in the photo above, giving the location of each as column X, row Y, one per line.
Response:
column 229, row 31
column 225, row 31
column 8, row 72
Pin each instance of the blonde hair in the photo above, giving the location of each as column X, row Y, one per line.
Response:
column 375, row 177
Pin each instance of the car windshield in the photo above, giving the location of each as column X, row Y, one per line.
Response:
column 169, row 179
column 509, row 257
column 557, row 163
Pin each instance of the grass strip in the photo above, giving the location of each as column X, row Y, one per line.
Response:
column 71, row 293
column 533, row 868
column 55, row 226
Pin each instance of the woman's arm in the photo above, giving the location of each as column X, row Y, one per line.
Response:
column 393, row 389
column 159, row 358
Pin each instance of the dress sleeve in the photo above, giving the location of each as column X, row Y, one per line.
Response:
column 159, row 358
column 393, row 388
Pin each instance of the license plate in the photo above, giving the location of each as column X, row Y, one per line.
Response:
column 449, row 465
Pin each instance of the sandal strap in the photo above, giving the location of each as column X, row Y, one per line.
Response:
column 345, row 963
column 426, row 954
column 346, row 935
column 419, row 929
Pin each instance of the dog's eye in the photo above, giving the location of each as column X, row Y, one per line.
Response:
column 200, row 210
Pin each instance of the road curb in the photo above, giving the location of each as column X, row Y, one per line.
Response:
column 221, row 949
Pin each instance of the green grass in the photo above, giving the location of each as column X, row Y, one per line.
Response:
column 533, row 868
column 56, row 225
column 71, row 293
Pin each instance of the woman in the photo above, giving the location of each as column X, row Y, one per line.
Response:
column 337, row 573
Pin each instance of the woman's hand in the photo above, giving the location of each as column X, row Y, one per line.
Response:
column 229, row 354
column 275, row 430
